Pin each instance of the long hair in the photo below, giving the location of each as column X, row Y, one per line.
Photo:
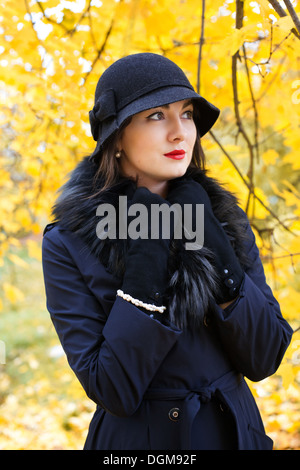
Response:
column 108, row 165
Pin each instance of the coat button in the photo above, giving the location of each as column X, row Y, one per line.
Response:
column 174, row 414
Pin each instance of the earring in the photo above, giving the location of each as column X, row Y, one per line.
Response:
column 118, row 154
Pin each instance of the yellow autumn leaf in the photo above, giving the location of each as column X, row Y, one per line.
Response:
column 237, row 37
column 33, row 169
column 160, row 19
column 34, row 249
column 17, row 260
column 12, row 293
column 295, row 244
column 287, row 375
column 36, row 228
column 22, row 217
column 290, row 198
column 270, row 156
column 285, row 24
column 293, row 159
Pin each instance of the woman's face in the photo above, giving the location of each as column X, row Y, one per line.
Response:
column 158, row 143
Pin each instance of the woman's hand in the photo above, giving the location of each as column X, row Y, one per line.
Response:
column 146, row 259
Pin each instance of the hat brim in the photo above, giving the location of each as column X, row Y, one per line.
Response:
column 205, row 118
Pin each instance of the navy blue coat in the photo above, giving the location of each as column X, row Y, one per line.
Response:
column 155, row 386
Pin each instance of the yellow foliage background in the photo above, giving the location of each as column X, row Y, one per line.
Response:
column 242, row 56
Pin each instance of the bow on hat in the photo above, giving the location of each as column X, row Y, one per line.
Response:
column 104, row 109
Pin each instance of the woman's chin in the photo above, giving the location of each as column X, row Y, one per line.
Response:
column 178, row 171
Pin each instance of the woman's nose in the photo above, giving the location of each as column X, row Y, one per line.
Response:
column 176, row 130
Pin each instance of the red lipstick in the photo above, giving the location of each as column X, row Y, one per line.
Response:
column 176, row 154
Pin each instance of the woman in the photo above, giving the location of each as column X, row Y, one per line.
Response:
column 160, row 330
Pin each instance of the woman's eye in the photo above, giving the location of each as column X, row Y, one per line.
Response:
column 156, row 116
column 159, row 115
column 188, row 114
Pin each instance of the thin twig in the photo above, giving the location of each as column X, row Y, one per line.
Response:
column 201, row 42
column 100, row 51
column 256, row 146
column 291, row 255
column 50, row 20
column 70, row 32
column 31, row 20
column 273, row 79
column 272, row 213
column 91, row 30
column 241, row 129
column 229, row 158
column 271, row 52
column 267, row 61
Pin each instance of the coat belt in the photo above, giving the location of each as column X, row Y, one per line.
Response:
column 192, row 400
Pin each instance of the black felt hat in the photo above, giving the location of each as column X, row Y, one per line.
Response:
column 139, row 82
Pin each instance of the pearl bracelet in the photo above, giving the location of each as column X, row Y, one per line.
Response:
column 139, row 303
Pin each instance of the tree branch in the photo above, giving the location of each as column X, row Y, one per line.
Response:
column 241, row 129
column 229, row 158
column 100, row 51
column 278, row 8
column 201, row 42
column 256, row 146
column 280, row 11
column 293, row 14
column 50, row 20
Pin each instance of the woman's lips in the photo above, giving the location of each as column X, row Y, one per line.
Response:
column 176, row 154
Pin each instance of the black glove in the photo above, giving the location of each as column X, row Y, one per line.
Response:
column 227, row 265
column 146, row 260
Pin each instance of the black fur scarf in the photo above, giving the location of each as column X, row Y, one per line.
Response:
column 193, row 283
